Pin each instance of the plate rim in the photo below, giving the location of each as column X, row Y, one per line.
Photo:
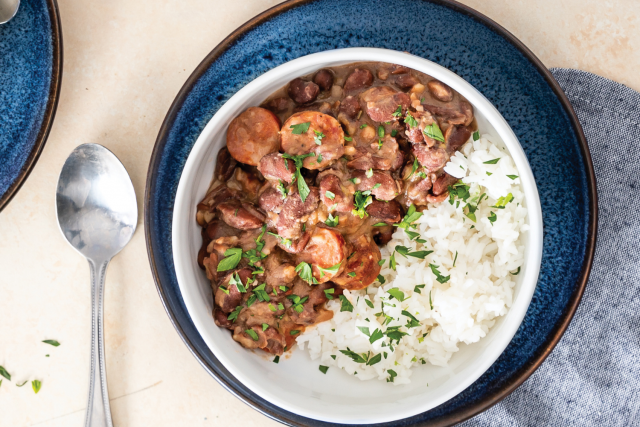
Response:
column 557, row 331
column 50, row 110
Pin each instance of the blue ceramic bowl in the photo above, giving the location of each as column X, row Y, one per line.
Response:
column 30, row 77
column 466, row 43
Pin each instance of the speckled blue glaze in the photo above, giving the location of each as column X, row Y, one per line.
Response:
column 465, row 46
column 26, row 65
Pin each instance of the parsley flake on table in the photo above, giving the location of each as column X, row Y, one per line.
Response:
column 36, row 385
column 300, row 128
column 276, row 359
column 52, row 342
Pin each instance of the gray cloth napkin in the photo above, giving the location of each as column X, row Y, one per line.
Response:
column 592, row 378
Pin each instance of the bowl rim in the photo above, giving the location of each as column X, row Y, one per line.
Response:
column 50, row 109
column 556, row 333
column 198, row 156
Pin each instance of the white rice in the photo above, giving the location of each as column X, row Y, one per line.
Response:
column 464, row 307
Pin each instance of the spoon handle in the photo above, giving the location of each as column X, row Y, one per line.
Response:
column 98, row 409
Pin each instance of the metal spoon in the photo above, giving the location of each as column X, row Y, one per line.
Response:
column 8, row 9
column 97, row 214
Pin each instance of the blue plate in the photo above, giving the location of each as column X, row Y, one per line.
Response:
column 465, row 42
column 30, row 76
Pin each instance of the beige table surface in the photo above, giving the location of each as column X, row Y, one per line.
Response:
column 124, row 62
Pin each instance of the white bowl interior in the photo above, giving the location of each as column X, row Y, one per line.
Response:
column 296, row 384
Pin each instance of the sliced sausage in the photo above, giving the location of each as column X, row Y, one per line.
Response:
column 387, row 190
column 442, row 183
column 252, row 135
column 381, row 102
column 271, row 200
column 294, row 210
column 332, row 193
column 358, row 79
column 323, row 129
column 325, row 250
column 303, row 92
column 274, row 166
column 362, row 266
column 432, row 159
column 242, row 216
column 455, row 137
column 406, row 81
column 350, row 106
column 324, row 79
column 440, row 91
column 389, row 212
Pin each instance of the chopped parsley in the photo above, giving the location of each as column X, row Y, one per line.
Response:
column 318, row 137
column 476, row 135
column 503, row 201
column 329, row 293
column 394, row 133
column 397, row 294
column 323, row 369
column 252, row 334
column 332, row 270
column 513, row 274
column 276, row 359
column 412, row 322
column 439, row 277
column 294, row 332
column 297, row 302
column 233, row 256
column 491, row 162
column 404, row 251
column 417, row 288
column 261, row 294
column 304, row 271
column 282, row 189
column 362, row 126
column 382, row 280
column 264, row 327
column 380, row 131
column 433, row 131
column 300, row 128
column 348, row 138
column 409, row 219
column 4, row 373
column 455, row 258
column 376, row 335
column 52, row 342
column 492, row 218
column 36, row 385
column 351, row 274
column 430, row 301
column 234, row 314
column 512, row 176
column 410, row 120
column 345, row 304
column 332, row 221
column 329, row 195
column 398, row 111
column 413, row 168
column 392, row 261
column 361, row 200
column 235, row 280
column 303, row 188
column 369, row 173
column 392, row 375
column 368, row 302
column 286, row 242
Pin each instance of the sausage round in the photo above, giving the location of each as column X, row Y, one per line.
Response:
column 362, row 267
column 252, row 135
column 381, row 102
column 323, row 129
column 325, row 249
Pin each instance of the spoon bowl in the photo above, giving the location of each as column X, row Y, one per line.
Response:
column 97, row 213
column 8, row 9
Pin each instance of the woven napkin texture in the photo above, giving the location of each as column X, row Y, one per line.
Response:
column 592, row 377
